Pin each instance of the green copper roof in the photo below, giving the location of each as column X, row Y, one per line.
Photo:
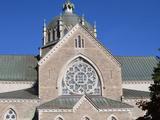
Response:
column 68, row 102
column 137, row 68
column 62, row 102
column 20, row 94
column 69, row 19
column 24, row 68
column 18, row 68
column 135, row 94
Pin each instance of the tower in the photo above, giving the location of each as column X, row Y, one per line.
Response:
column 59, row 26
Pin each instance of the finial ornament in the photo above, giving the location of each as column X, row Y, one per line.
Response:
column 82, row 20
column 44, row 23
column 95, row 29
column 44, row 32
column 68, row 7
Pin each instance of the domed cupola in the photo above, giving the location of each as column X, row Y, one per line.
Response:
column 60, row 25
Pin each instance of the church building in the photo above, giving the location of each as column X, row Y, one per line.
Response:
column 74, row 77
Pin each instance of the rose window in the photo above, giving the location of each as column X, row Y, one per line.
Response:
column 81, row 78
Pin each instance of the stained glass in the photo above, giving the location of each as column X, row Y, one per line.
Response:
column 81, row 78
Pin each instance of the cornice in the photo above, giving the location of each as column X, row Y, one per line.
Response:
column 19, row 100
column 135, row 100
column 137, row 82
column 72, row 111
column 17, row 82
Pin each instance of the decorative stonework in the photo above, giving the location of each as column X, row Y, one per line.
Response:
column 17, row 82
column 19, row 100
column 81, row 101
column 66, row 38
column 112, row 117
column 81, row 78
column 10, row 115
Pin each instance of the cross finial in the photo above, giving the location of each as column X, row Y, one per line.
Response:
column 68, row 6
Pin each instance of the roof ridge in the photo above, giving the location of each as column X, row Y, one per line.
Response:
column 132, row 56
column 16, row 55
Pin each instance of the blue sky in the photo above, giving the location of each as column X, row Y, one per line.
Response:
column 125, row 27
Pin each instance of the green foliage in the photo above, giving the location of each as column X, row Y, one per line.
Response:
column 152, row 107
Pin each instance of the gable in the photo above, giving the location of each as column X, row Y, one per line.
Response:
column 55, row 63
column 79, row 30
column 85, row 104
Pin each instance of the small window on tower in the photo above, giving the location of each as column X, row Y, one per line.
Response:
column 49, row 36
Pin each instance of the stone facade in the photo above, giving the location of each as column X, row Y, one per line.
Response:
column 103, row 94
column 52, row 70
column 85, row 110
column 24, row 109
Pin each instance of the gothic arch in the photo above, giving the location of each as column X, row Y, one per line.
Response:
column 86, row 118
column 59, row 117
column 112, row 117
column 10, row 114
column 61, row 75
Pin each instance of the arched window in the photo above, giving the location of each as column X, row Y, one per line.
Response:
column 112, row 117
column 49, row 36
column 82, row 43
column 79, row 42
column 86, row 118
column 59, row 118
column 76, row 43
column 10, row 115
column 81, row 78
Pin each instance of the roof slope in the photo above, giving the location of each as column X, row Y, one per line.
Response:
column 69, row 19
column 18, row 68
column 135, row 94
column 137, row 68
column 20, row 94
column 24, row 68
column 68, row 102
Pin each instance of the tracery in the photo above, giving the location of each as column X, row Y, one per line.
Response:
column 81, row 78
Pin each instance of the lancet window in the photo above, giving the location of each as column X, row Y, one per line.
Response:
column 59, row 118
column 79, row 42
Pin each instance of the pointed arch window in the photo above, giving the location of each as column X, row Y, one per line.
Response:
column 81, row 78
column 10, row 115
column 59, row 118
column 79, row 42
column 86, row 118
column 49, row 35
column 112, row 117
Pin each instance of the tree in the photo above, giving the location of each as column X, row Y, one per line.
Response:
column 152, row 107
